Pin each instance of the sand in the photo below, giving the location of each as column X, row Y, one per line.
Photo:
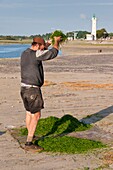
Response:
column 80, row 83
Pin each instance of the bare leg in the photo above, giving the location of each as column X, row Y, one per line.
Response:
column 31, row 123
column 28, row 119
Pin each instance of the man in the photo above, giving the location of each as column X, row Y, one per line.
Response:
column 32, row 78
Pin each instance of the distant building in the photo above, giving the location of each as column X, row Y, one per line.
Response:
column 94, row 20
column 72, row 35
column 92, row 36
column 89, row 37
column 70, row 38
column 75, row 34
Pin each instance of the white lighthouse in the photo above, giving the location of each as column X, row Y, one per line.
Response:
column 94, row 20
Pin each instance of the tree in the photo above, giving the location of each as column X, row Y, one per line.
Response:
column 70, row 34
column 111, row 34
column 46, row 36
column 102, row 33
column 82, row 34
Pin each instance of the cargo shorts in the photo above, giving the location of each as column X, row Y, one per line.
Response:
column 32, row 99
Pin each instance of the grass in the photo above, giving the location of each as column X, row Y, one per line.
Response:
column 53, row 135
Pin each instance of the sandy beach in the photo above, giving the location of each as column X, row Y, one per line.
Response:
column 80, row 83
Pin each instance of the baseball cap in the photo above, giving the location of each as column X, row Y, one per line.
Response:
column 39, row 40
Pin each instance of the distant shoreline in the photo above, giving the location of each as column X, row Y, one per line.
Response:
column 80, row 42
column 15, row 42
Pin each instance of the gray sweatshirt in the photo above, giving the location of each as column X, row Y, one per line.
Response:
column 31, row 65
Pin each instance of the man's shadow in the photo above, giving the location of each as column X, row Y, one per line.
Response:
column 97, row 116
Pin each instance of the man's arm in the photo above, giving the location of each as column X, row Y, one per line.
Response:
column 49, row 54
column 46, row 54
column 56, row 42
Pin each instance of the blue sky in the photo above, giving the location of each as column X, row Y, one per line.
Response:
column 30, row 17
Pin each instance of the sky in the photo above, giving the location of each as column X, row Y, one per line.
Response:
column 32, row 17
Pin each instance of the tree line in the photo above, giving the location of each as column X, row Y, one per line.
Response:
column 102, row 33
column 12, row 37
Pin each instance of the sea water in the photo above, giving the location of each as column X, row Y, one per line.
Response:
column 15, row 50
column 12, row 50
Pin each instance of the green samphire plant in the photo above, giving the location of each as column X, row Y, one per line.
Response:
column 58, row 33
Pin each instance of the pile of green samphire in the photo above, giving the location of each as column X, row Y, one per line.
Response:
column 58, row 33
column 53, row 135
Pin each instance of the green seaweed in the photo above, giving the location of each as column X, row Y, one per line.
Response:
column 58, row 33
column 70, row 145
column 56, row 126
column 53, row 135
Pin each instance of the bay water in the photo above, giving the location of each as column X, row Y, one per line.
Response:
column 12, row 50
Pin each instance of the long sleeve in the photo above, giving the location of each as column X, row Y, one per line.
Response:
column 46, row 54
